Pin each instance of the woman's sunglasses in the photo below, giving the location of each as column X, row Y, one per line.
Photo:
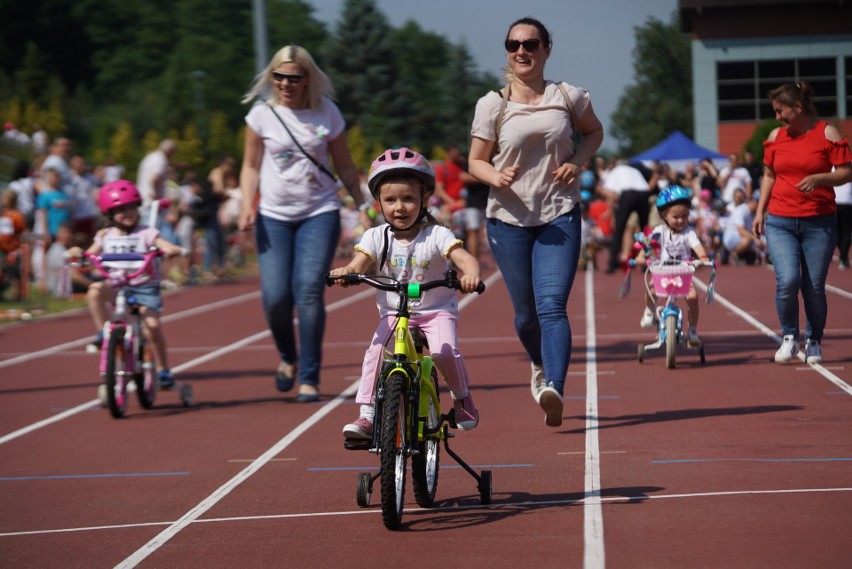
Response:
column 292, row 78
column 529, row 45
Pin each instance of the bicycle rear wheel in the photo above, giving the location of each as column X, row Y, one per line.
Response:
column 116, row 374
column 393, row 451
column 424, row 465
column 146, row 383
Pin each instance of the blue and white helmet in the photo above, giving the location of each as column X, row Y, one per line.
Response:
column 673, row 195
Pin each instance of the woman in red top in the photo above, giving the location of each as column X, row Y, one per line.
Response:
column 797, row 213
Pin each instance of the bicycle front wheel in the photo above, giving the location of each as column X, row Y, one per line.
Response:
column 671, row 340
column 393, row 450
column 116, row 374
column 424, row 465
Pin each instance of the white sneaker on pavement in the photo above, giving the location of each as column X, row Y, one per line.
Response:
column 648, row 319
column 537, row 382
column 551, row 403
column 788, row 350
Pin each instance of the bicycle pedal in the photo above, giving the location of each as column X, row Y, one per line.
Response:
column 357, row 444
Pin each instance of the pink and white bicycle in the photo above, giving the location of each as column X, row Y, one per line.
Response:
column 126, row 359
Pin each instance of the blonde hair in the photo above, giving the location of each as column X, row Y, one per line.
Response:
column 319, row 85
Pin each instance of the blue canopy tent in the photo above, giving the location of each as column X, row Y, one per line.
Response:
column 677, row 151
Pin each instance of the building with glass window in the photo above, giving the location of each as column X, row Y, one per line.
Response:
column 741, row 49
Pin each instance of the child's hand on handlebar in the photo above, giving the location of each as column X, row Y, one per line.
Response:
column 339, row 272
column 469, row 283
column 74, row 252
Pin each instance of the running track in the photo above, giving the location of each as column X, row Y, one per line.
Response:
column 741, row 463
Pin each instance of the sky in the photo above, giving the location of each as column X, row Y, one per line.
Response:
column 593, row 40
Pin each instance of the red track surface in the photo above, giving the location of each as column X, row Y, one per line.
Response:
column 737, row 463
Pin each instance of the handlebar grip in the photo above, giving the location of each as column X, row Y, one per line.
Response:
column 351, row 278
column 481, row 288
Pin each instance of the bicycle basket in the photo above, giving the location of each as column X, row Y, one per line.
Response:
column 671, row 279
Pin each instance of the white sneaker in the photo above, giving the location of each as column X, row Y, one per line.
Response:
column 692, row 339
column 537, row 382
column 551, row 403
column 813, row 352
column 788, row 350
column 648, row 320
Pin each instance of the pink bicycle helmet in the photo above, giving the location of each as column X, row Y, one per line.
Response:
column 400, row 161
column 118, row 193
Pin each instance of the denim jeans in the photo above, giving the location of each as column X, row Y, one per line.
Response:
column 294, row 257
column 538, row 266
column 800, row 249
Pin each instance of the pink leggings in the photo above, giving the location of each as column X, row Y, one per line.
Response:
column 440, row 331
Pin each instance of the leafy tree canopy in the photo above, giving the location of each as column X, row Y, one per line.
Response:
column 115, row 75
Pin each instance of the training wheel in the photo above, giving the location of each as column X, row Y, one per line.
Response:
column 365, row 489
column 102, row 395
column 485, row 487
column 640, row 352
column 186, row 395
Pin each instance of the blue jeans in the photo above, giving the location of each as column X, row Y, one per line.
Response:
column 538, row 266
column 294, row 258
column 800, row 249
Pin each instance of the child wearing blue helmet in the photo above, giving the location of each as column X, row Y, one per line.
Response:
column 676, row 240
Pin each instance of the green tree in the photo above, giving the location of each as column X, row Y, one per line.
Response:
column 755, row 142
column 123, row 146
column 363, row 67
column 661, row 99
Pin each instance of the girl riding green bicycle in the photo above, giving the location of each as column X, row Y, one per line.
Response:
column 412, row 247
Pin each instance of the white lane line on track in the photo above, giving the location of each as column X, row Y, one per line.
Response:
column 594, row 556
column 159, row 540
column 499, row 506
column 761, row 327
column 168, row 318
column 839, row 291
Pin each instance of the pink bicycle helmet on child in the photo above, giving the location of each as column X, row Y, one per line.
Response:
column 118, row 193
column 399, row 161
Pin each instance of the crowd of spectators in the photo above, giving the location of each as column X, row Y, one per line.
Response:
column 49, row 204
column 618, row 198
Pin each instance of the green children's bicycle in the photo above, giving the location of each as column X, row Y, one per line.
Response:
column 409, row 421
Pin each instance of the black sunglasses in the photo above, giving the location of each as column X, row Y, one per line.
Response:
column 293, row 78
column 529, row 45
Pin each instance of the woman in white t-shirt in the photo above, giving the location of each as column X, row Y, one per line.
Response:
column 533, row 212
column 292, row 130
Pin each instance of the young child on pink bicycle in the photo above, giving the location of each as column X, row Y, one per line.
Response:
column 412, row 246
column 119, row 201
column 674, row 239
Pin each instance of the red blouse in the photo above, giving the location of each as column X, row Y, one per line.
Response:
column 793, row 158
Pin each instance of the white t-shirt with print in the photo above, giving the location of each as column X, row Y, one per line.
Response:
column 113, row 240
column 424, row 259
column 292, row 188
column 675, row 245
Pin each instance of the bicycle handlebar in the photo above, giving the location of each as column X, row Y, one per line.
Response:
column 391, row 284
column 693, row 262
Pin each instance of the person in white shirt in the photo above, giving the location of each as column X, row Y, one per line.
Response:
column 735, row 176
